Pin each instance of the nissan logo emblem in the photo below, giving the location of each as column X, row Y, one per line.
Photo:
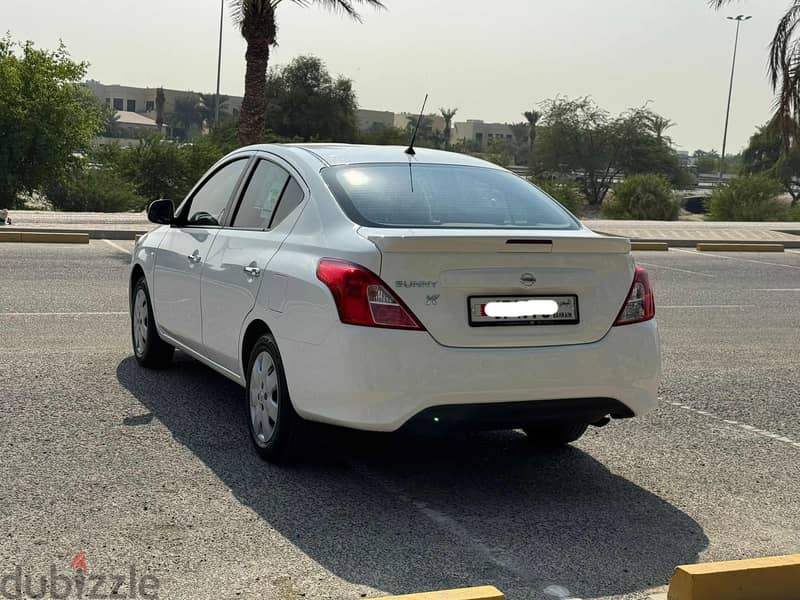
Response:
column 527, row 279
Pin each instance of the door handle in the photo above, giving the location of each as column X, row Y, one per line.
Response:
column 194, row 257
column 252, row 271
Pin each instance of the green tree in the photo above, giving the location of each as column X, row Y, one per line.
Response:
column 643, row 197
column 208, row 107
column 582, row 140
column 304, row 101
column 381, row 135
column 447, row 115
column 187, row 114
column 47, row 116
column 160, row 101
column 257, row 22
column 767, row 155
column 532, row 117
column 748, row 198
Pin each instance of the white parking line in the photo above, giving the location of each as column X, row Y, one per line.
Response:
column 117, row 246
column 62, row 314
column 758, row 262
column 644, row 264
column 750, row 428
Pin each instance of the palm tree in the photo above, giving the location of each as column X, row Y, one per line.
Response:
column 257, row 23
column 160, row 101
column 784, row 70
column 658, row 125
column 208, row 106
column 532, row 116
column 448, row 114
column 186, row 113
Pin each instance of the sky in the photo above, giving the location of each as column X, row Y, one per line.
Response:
column 491, row 60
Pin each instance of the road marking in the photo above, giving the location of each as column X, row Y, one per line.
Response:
column 62, row 314
column 117, row 246
column 758, row 262
column 707, row 306
column 777, row 290
column 675, row 269
column 749, row 428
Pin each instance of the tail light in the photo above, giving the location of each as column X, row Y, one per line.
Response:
column 362, row 298
column 640, row 304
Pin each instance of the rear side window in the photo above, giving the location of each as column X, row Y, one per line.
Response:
column 292, row 197
column 260, row 197
column 442, row 196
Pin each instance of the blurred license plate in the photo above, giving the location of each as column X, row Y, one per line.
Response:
column 511, row 310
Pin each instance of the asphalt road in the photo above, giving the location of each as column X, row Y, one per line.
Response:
column 154, row 469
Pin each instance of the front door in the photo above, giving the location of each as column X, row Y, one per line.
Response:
column 181, row 256
column 236, row 265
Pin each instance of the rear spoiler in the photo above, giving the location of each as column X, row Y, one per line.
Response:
column 494, row 241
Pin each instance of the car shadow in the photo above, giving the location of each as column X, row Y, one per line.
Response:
column 404, row 514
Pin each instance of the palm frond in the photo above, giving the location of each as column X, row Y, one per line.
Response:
column 345, row 7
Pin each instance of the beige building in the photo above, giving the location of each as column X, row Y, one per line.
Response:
column 143, row 100
column 481, row 133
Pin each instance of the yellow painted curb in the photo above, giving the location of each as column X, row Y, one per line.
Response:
column 486, row 592
column 44, row 237
column 9, row 236
column 774, row 578
column 732, row 247
column 660, row 246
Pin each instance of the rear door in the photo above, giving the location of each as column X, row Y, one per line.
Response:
column 181, row 256
column 237, row 262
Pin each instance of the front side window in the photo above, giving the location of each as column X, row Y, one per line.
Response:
column 443, row 196
column 209, row 203
column 261, row 196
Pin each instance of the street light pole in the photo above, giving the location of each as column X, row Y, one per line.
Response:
column 219, row 60
column 738, row 19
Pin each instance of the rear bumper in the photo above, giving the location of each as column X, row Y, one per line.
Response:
column 381, row 380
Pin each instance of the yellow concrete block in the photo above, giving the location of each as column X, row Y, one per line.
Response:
column 46, row 237
column 660, row 246
column 774, row 578
column 9, row 236
column 733, row 247
column 486, row 592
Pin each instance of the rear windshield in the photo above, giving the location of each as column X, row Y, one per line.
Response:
column 442, row 196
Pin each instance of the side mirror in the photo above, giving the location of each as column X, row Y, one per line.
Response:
column 161, row 212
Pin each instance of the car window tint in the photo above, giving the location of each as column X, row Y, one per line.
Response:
column 443, row 196
column 210, row 201
column 292, row 197
column 263, row 191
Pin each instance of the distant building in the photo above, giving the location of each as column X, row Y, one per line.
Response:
column 481, row 133
column 139, row 100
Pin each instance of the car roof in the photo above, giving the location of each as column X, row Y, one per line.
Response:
column 348, row 154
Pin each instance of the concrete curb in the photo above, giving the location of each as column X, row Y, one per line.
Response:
column 773, row 578
column 737, row 247
column 44, row 237
column 650, row 246
column 487, row 592
column 94, row 234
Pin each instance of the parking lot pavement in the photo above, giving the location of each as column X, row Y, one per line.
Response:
column 154, row 469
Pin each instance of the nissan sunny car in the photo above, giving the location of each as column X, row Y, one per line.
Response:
column 374, row 289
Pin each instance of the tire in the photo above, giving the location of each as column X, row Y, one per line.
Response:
column 553, row 436
column 278, row 433
column 149, row 349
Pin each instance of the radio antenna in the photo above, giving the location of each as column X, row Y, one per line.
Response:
column 410, row 150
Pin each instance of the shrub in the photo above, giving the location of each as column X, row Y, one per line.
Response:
column 643, row 197
column 95, row 190
column 794, row 213
column 566, row 193
column 748, row 198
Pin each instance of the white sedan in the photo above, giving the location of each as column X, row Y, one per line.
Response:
column 373, row 289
